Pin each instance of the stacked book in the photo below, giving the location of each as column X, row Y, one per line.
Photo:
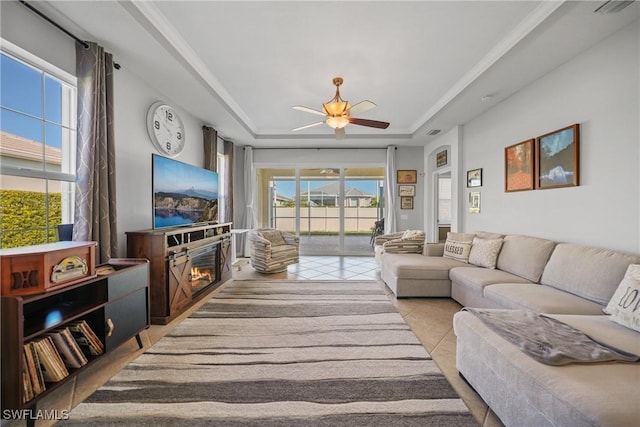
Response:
column 47, row 358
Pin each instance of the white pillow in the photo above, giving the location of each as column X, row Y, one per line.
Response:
column 624, row 306
column 458, row 246
column 412, row 234
column 484, row 252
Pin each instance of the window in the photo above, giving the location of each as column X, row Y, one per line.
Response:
column 37, row 148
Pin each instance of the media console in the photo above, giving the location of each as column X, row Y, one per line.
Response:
column 186, row 264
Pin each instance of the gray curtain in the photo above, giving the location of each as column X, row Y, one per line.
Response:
column 95, row 206
column 210, row 141
column 391, row 192
column 250, row 218
column 228, row 179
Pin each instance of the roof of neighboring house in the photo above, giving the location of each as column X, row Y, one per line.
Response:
column 333, row 189
column 22, row 148
column 282, row 198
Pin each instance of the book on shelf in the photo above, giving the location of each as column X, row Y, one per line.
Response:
column 27, row 385
column 35, row 371
column 53, row 369
column 86, row 338
column 67, row 349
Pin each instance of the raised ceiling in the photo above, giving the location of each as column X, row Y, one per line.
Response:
column 240, row 66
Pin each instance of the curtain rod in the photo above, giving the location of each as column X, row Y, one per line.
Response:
column 55, row 24
column 319, row 148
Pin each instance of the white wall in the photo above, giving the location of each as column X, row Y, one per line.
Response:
column 599, row 89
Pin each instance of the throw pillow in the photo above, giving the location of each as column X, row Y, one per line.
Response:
column 484, row 252
column 274, row 237
column 412, row 234
column 624, row 306
column 458, row 246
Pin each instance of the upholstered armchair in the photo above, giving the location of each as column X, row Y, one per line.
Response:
column 273, row 250
column 402, row 242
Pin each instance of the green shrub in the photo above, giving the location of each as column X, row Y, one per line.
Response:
column 23, row 217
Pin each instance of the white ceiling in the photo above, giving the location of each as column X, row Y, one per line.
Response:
column 240, row 66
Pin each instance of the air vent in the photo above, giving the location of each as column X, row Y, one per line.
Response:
column 612, row 6
column 433, row 132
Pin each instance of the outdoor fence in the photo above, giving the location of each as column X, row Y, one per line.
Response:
column 325, row 219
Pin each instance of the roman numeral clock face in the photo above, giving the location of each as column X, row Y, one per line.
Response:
column 166, row 129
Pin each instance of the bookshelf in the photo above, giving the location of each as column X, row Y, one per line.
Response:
column 114, row 306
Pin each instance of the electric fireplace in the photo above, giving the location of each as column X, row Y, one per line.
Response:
column 203, row 270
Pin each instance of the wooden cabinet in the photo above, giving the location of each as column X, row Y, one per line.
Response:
column 178, row 257
column 113, row 305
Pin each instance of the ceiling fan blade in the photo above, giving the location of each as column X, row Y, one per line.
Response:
column 361, row 107
column 308, row 110
column 369, row 123
column 340, row 133
column 307, row 126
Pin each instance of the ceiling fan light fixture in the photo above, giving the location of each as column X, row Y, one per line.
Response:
column 337, row 122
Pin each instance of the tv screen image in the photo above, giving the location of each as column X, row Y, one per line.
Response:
column 183, row 194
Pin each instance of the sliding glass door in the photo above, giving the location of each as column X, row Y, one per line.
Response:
column 333, row 210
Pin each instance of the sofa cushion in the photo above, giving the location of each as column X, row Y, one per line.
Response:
column 412, row 234
column 478, row 278
column 415, row 266
column 458, row 246
column 488, row 235
column 484, row 252
column 524, row 256
column 539, row 298
column 624, row 306
column 594, row 274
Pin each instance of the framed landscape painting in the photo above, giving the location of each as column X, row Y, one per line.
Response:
column 557, row 161
column 518, row 166
column 474, row 178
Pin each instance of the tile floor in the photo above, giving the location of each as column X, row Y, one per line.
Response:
column 429, row 318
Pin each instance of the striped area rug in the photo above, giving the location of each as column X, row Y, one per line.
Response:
column 290, row 353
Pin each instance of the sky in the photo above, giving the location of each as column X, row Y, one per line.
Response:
column 23, row 89
column 288, row 188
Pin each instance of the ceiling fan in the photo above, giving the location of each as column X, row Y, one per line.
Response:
column 338, row 113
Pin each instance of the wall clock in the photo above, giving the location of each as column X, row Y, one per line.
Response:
column 166, row 129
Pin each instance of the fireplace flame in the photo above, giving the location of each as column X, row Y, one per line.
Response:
column 197, row 274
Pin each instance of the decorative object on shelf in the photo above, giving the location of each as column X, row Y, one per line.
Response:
column 558, row 158
column 518, row 166
column 474, row 178
column 407, row 176
column 165, row 129
column 406, row 202
column 441, row 159
column 407, row 190
column 36, row 269
column 474, row 202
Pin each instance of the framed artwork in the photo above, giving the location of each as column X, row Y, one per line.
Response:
column 518, row 166
column 474, row 202
column 558, row 158
column 441, row 158
column 407, row 176
column 407, row 190
column 474, row 178
column 406, row 202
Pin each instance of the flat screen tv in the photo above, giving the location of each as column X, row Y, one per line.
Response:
column 183, row 194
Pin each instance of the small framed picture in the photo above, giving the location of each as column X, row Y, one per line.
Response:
column 407, row 190
column 406, row 202
column 474, row 178
column 407, row 176
column 441, row 158
column 474, row 202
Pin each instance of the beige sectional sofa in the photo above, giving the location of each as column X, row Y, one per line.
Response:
column 571, row 283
